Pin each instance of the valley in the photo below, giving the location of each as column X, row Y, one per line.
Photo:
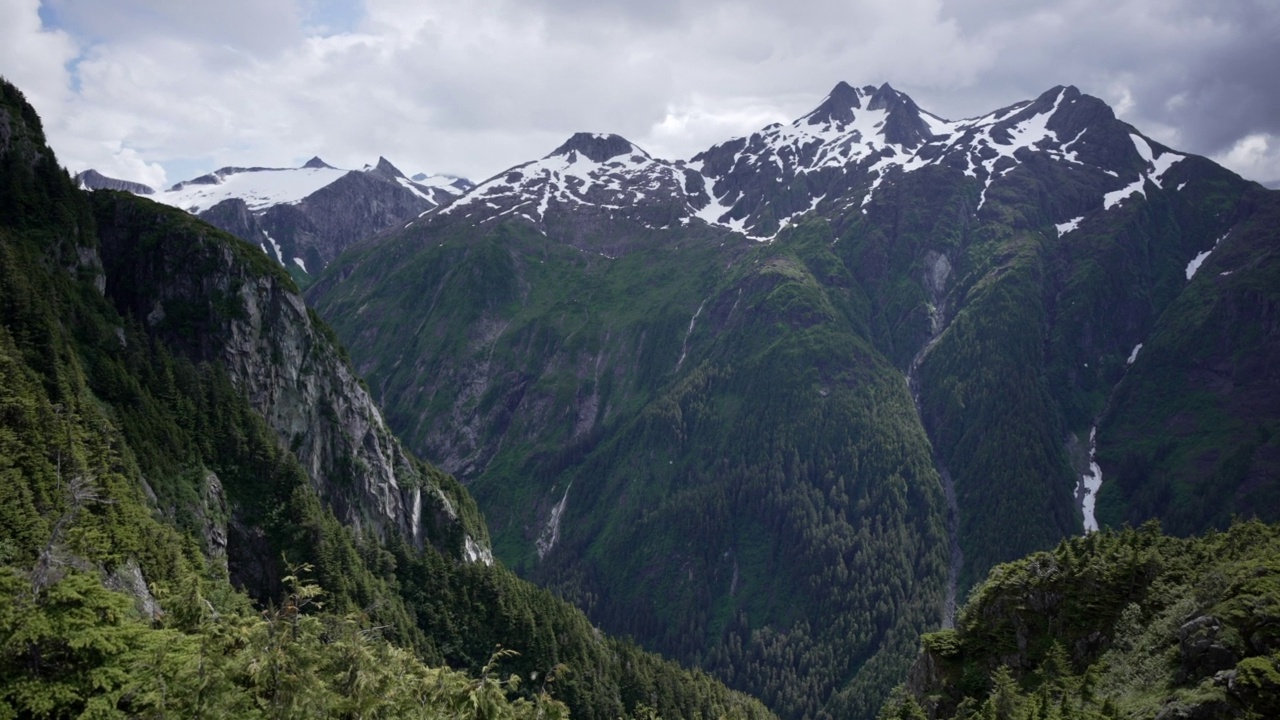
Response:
column 812, row 414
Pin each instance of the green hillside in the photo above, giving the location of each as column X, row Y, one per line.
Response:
column 725, row 455
column 167, row 546
column 783, row 460
column 1131, row 624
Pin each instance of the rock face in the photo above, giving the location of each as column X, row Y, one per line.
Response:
column 94, row 180
column 222, row 301
column 353, row 208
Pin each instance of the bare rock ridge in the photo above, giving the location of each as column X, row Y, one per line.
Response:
column 94, row 180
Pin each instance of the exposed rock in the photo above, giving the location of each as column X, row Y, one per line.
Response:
column 255, row 325
column 128, row 579
column 598, row 148
column 94, row 180
column 1203, row 651
column 213, row 512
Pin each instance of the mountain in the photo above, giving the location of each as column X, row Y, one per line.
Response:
column 302, row 217
column 203, row 513
column 94, row 180
column 1114, row 624
column 583, row 192
column 776, row 409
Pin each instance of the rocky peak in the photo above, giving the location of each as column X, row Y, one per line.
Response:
column 837, row 108
column 316, row 163
column 385, row 167
column 93, row 180
column 597, row 147
column 903, row 124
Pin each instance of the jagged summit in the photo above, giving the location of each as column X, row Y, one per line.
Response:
column 838, row 106
column 597, row 147
column 900, row 124
column 384, row 166
column 316, row 163
column 904, row 123
column 832, row 160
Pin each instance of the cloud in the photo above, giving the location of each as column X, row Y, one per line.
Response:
column 1255, row 156
column 33, row 57
column 471, row 88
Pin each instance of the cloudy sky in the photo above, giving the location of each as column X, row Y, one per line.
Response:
column 163, row 90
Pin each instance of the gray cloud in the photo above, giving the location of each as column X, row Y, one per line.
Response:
column 475, row 87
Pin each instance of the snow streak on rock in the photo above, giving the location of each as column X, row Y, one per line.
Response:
column 1090, row 484
column 551, row 533
column 1199, row 259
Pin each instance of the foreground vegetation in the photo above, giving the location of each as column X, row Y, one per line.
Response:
column 1130, row 624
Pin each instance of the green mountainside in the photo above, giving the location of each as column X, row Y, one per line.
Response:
column 775, row 410
column 1130, row 624
column 202, row 513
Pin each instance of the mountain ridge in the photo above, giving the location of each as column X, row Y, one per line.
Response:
column 606, row 352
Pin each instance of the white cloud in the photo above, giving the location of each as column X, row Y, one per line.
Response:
column 472, row 88
column 1254, row 156
column 34, row 58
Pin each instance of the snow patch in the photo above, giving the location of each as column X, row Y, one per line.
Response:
column 274, row 246
column 260, row 188
column 412, row 187
column 300, row 264
column 1134, row 355
column 1068, row 226
column 1195, row 263
column 1112, row 199
column 1199, row 259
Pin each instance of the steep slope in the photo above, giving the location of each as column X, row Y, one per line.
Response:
column 1191, row 434
column 635, row 388
column 1127, row 624
column 644, row 440
column 175, row 422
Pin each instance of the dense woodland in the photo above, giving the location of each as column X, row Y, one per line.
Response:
column 120, row 459
column 1129, row 624
column 756, row 495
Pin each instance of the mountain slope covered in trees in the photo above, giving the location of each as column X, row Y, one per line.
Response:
column 1130, row 624
column 776, row 408
column 203, row 514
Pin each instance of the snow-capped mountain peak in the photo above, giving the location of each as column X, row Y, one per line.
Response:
column 838, row 107
column 606, row 172
column 833, row 160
